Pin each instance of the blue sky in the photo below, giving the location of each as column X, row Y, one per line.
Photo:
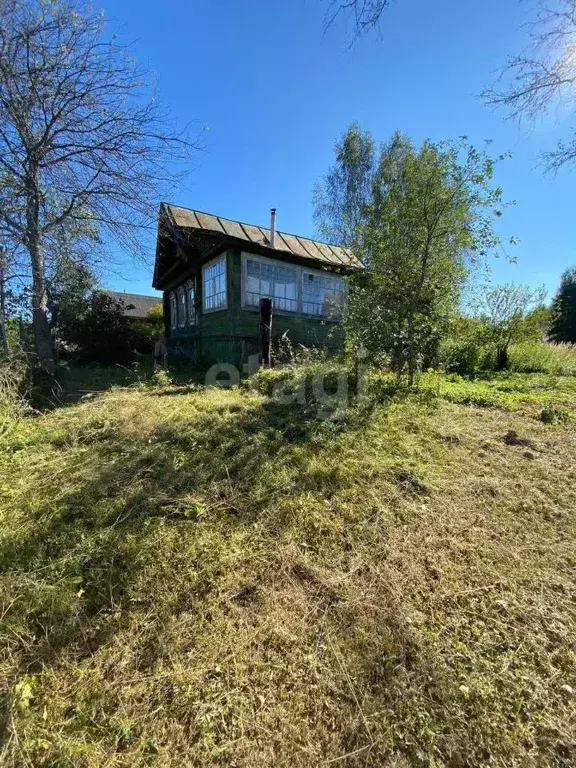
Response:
column 270, row 93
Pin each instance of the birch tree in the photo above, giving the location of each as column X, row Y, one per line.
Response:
column 427, row 221
column 84, row 145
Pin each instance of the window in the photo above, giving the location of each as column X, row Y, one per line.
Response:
column 214, row 293
column 191, row 299
column 292, row 288
column 181, row 308
column 274, row 281
column 322, row 295
column 173, row 316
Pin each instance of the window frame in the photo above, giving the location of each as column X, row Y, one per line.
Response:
column 246, row 257
column 181, row 303
column 173, row 304
column 191, row 315
column 334, row 316
column 221, row 307
column 300, row 271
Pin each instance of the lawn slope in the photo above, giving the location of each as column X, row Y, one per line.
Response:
column 194, row 577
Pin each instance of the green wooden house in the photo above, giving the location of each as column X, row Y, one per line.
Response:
column 213, row 273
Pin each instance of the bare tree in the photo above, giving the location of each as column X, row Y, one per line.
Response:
column 3, row 334
column 504, row 309
column 364, row 14
column 543, row 75
column 84, row 145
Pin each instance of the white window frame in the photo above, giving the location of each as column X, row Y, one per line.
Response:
column 220, row 307
column 300, row 272
column 181, row 304
column 335, row 316
column 191, row 306
column 173, row 304
column 246, row 257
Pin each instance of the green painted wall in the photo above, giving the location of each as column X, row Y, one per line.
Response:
column 230, row 335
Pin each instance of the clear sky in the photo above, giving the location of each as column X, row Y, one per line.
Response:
column 271, row 93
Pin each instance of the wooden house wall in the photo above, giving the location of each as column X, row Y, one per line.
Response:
column 231, row 335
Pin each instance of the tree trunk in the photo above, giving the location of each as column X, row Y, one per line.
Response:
column 3, row 304
column 42, row 332
column 411, row 355
column 502, row 360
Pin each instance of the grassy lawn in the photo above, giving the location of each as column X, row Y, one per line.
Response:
column 201, row 577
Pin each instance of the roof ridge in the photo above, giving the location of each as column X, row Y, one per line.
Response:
column 126, row 293
column 257, row 226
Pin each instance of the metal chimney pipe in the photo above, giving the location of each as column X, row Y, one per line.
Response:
column 272, row 227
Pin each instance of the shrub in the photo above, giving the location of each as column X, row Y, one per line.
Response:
column 142, row 335
column 161, row 378
column 465, row 356
column 102, row 334
column 551, row 415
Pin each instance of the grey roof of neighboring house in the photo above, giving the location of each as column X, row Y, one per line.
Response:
column 303, row 247
column 135, row 305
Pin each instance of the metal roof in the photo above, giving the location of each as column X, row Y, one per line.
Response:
column 135, row 305
column 303, row 247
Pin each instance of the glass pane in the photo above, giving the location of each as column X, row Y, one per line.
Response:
column 322, row 295
column 274, row 281
column 215, row 285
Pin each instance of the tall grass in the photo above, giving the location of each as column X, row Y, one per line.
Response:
column 14, row 387
column 540, row 357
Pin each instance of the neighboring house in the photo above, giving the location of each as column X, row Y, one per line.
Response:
column 136, row 306
column 214, row 271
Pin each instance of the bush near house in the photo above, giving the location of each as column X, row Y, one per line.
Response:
column 100, row 332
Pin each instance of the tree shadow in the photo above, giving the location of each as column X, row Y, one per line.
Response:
column 87, row 540
column 117, row 492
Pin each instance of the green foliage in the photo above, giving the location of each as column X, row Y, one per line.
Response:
column 465, row 348
column 69, row 296
column 102, row 333
column 563, row 325
column 427, row 223
column 156, row 313
column 93, row 328
column 551, row 415
column 340, row 201
column 143, row 334
column 161, row 378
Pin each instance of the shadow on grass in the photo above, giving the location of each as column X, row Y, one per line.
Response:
column 87, row 533
column 78, row 569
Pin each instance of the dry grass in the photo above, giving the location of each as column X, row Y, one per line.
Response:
column 207, row 578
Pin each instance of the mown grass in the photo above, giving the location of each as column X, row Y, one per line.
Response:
column 209, row 577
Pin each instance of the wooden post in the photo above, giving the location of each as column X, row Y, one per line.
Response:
column 265, row 331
